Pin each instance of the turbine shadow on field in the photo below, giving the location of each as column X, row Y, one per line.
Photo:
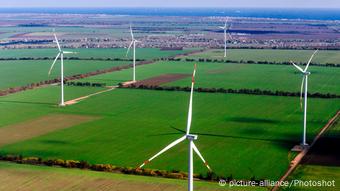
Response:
column 27, row 102
column 252, row 120
column 288, row 144
column 324, row 152
column 57, row 142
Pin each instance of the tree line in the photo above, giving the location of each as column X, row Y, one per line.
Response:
column 71, row 58
column 86, row 84
column 245, row 61
column 232, row 91
column 175, row 174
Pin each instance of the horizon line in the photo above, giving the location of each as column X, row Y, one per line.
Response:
column 93, row 7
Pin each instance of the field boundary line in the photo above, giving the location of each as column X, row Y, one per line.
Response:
column 74, row 101
column 34, row 85
column 296, row 161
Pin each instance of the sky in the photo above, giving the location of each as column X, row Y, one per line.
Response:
column 173, row 3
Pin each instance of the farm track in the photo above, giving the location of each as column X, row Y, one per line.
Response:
column 302, row 154
column 74, row 101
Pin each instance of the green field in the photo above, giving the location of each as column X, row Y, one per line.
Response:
column 20, row 73
column 315, row 173
column 319, row 172
column 30, row 104
column 234, row 76
column 18, row 176
column 272, row 55
column 133, row 121
column 141, row 53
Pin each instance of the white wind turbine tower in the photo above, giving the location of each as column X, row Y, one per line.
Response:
column 304, row 89
column 226, row 28
column 190, row 138
column 133, row 43
column 61, row 55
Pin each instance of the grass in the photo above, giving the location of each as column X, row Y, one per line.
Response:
column 31, row 104
column 20, row 73
column 235, row 76
column 138, row 123
column 141, row 53
column 47, row 178
column 328, row 56
column 315, row 172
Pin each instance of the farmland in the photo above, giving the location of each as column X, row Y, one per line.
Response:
column 321, row 163
column 247, row 136
column 142, row 53
column 22, row 72
column 46, row 178
column 235, row 76
column 322, row 57
column 246, row 110
column 30, row 104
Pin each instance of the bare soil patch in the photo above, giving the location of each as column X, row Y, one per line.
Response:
column 162, row 79
column 325, row 151
column 42, row 125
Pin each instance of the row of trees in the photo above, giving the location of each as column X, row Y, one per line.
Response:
column 71, row 58
column 234, row 91
column 176, row 174
column 87, row 84
column 245, row 61
column 69, row 78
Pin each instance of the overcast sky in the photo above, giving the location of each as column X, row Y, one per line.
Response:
column 173, row 3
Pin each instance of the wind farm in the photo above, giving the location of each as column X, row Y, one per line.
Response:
column 175, row 91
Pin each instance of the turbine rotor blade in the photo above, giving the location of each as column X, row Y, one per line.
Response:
column 310, row 60
column 56, row 40
column 128, row 50
column 190, row 102
column 296, row 66
column 68, row 52
column 164, row 150
column 301, row 92
column 231, row 37
column 131, row 32
column 55, row 60
column 200, row 155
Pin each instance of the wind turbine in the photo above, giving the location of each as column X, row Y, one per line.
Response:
column 133, row 42
column 225, row 28
column 190, row 137
column 61, row 55
column 304, row 88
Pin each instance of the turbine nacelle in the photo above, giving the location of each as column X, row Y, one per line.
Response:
column 191, row 137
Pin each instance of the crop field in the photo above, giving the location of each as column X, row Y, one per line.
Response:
column 234, row 76
column 46, row 178
column 237, row 133
column 20, row 73
column 322, row 57
column 321, row 161
column 141, row 53
column 31, row 104
column 252, row 135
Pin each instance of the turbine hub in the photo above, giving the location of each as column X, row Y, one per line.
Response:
column 191, row 137
column 307, row 73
